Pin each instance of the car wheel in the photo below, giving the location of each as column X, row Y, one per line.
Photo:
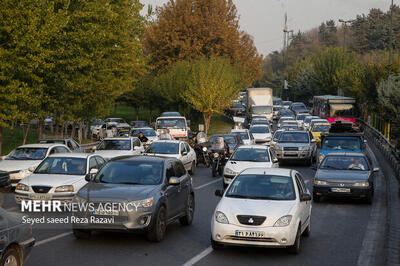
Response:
column 192, row 168
column 295, row 249
column 11, row 258
column 189, row 212
column 215, row 245
column 157, row 233
column 81, row 234
column 316, row 198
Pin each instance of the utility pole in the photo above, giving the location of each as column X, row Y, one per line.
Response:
column 345, row 22
column 391, row 34
column 286, row 39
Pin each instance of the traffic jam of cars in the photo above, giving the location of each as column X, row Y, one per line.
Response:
column 150, row 171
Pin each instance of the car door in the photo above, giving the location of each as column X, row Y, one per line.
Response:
column 171, row 192
column 184, row 179
column 272, row 158
column 184, row 155
column 191, row 153
column 92, row 164
column 137, row 147
column 305, row 206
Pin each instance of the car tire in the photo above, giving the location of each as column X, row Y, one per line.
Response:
column 316, row 198
column 11, row 257
column 157, row 233
column 81, row 234
column 215, row 245
column 189, row 212
column 295, row 249
column 192, row 168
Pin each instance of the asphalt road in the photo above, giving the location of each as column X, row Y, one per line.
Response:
column 339, row 229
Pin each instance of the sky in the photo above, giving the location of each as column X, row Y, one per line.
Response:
column 264, row 19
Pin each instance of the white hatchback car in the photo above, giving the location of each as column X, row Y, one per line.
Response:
column 263, row 207
column 174, row 148
column 114, row 147
column 248, row 156
column 58, row 177
column 245, row 135
column 261, row 133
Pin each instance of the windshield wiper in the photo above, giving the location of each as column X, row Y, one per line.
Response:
column 130, row 183
column 332, row 167
column 238, row 196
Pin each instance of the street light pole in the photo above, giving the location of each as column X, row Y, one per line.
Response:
column 345, row 22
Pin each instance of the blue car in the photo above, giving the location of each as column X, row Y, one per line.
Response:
column 353, row 142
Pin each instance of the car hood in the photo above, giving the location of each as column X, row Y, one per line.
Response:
column 342, row 175
column 239, row 166
column 101, row 192
column 108, row 154
column 326, row 151
column 272, row 209
column 53, row 180
column 16, row 165
column 262, row 136
column 163, row 155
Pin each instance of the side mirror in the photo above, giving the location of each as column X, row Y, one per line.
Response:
column 87, row 177
column 305, row 197
column 219, row 192
column 184, row 153
column 375, row 170
column 174, row 181
column 136, row 148
column 94, row 148
column 93, row 171
column 275, row 160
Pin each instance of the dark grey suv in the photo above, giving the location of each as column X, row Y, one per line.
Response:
column 143, row 194
column 16, row 239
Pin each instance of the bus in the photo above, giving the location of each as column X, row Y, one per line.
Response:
column 332, row 108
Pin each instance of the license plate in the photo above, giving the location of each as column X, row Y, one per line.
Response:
column 106, row 212
column 291, row 153
column 257, row 234
column 40, row 197
column 341, row 190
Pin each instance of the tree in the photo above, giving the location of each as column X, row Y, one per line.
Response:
column 191, row 29
column 211, row 86
column 328, row 33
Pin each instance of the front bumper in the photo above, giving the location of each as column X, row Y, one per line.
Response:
column 355, row 192
column 63, row 197
column 274, row 236
column 293, row 155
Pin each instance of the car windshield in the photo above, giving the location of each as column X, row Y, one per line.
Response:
column 277, row 108
column 267, row 187
column 261, row 109
column 163, row 148
column 170, row 114
column 286, row 127
column 341, row 144
column 287, row 103
column 148, row 132
column 337, row 162
column 259, row 130
column 228, row 139
column 308, row 119
column 251, row 155
column 139, row 123
column 342, row 110
column 57, row 141
column 171, row 123
column 115, row 145
column 131, row 173
column 116, row 120
column 321, row 128
column 241, row 134
column 62, row 166
column 294, row 137
column 277, row 102
column 301, row 117
column 27, row 154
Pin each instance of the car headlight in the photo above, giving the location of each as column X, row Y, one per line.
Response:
column 22, row 187
column 221, row 217
column 216, row 155
column 204, row 148
column 283, row 221
column 361, row 184
column 321, row 157
column 230, row 172
column 66, row 188
column 145, row 203
column 305, row 148
column 320, row 182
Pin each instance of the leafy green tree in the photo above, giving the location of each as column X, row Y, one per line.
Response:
column 328, row 33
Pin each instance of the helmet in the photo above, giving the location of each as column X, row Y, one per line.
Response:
column 218, row 143
column 201, row 137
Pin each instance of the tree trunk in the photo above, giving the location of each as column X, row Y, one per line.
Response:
column 73, row 130
column 62, row 130
column 115, row 108
column 80, row 132
column 86, row 131
column 1, row 140
column 207, row 119
column 26, row 133
column 40, row 129
column 137, row 113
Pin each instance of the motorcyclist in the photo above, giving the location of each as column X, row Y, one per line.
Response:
column 142, row 137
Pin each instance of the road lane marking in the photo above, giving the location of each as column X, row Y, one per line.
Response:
column 198, row 257
column 44, row 241
column 207, row 184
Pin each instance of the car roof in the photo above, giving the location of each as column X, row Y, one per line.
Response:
column 120, row 138
column 168, row 141
column 46, row 139
column 259, row 125
column 347, row 153
column 296, row 131
column 41, row 145
column 268, row 171
column 253, row 146
column 73, row 155
column 143, row 158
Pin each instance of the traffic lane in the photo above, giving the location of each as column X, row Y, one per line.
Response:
column 181, row 243
column 337, row 230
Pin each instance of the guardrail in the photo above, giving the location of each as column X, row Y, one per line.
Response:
column 390, row 152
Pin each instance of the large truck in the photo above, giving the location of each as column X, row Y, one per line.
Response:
column 259, row 103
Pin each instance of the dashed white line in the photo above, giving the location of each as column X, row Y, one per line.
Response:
column 198, row 257
column 44, row 241
column 209, row 183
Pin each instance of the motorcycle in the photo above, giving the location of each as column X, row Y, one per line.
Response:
column 218, row 158
column 202, row 155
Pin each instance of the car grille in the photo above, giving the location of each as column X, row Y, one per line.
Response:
column 290, row 148
column 41, row 189
column 255, row 239
column 251, row 220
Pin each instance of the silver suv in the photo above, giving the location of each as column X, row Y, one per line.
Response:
column 295, row 145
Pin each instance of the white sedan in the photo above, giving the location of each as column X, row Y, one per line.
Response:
column 245, row 135
column 263, row 207
column 114, row 147
column 22, row 161
column 261, row 133
column 174, row 148
column 248, row 156
column 58, row 177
